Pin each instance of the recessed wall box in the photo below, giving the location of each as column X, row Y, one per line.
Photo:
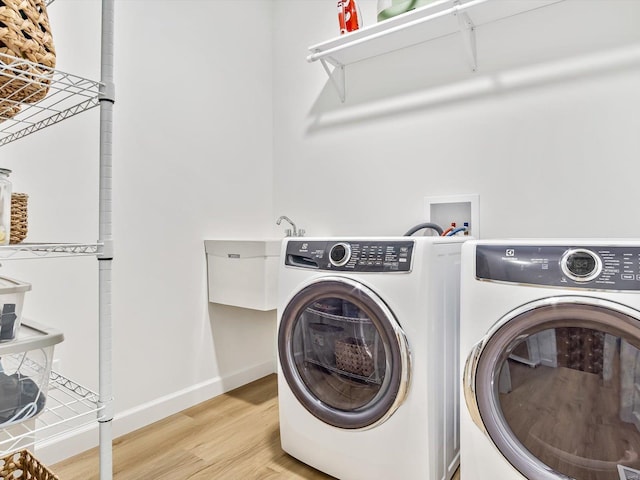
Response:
column 461, row 209
column 243, row 273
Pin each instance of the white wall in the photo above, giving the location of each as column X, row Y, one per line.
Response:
column 192, row 161
column 545, row 132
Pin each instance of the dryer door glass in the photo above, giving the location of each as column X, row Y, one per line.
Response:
column 558, row 390
column 343, row 353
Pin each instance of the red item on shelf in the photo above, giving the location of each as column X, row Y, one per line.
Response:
column 348, row 17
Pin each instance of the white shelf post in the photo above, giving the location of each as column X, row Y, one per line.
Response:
column 105, row 258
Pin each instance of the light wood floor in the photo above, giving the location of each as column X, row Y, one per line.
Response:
column 547, row 403
column 233, row 436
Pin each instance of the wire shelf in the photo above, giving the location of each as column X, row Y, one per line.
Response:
column 340, row 318
column 370, row 379
column 68, row 95
column 69, row 406
column 22, row 251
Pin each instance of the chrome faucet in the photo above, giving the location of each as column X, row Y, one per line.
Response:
column 291, row 232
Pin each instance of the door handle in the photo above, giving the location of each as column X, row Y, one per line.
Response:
column 469, row 386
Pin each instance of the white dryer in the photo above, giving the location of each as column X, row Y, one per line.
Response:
column 550, row 348
column 368, row 356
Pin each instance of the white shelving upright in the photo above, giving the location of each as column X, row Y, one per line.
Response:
column 71, row 406
column 105, row 237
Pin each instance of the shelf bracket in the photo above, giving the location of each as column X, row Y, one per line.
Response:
column 339, row 82
column 468, row 32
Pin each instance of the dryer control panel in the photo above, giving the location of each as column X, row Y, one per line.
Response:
column 592, row 267
column 351, row 256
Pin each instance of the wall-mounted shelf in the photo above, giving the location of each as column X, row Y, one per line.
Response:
column 439, row 19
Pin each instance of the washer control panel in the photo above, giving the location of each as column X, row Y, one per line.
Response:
column 593, row 267
column 351, row 256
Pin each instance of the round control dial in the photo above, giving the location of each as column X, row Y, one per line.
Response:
column 581, row 265
column 340, row 254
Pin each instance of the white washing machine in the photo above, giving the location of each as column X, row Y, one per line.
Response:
column 368, row 346
column 550, row 349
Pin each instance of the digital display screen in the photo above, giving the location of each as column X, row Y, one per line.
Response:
column 581, row 264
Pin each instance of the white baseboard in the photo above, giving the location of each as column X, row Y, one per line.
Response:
column 78, row 441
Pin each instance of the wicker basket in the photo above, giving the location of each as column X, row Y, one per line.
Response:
column 8, row 110
column 25, row 34
column 18, row 231
column 23, row 465
column 354, row 356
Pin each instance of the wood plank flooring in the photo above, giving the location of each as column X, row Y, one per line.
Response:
column 233, row 436
column 570, row 420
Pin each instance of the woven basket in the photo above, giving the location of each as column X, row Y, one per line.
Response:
column 354, row 356
column 18, row 230
column 25, row 34
column 23, row 465
column 8, row 109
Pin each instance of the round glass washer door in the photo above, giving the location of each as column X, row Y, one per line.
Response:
column 343, row 353
column 555, row 385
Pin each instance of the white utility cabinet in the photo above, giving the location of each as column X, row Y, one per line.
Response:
column 243, row 273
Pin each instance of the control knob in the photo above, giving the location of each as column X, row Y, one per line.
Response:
column 340, row 254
